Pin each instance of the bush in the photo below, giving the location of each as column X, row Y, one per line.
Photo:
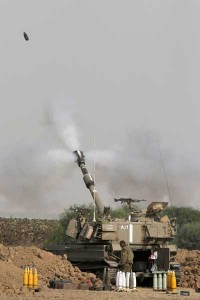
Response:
column 189, row 236
column 188, row 226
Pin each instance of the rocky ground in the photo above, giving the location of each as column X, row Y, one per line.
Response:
column 190, row 267
column 26, row 232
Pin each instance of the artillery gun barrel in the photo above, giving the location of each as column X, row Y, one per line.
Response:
column 89, row 182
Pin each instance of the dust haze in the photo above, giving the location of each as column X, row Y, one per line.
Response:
column 42, row 178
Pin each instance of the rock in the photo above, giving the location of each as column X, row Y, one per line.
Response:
column 40, row 255
column 64, row 257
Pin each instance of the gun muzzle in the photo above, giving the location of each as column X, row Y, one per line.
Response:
column 80, row 157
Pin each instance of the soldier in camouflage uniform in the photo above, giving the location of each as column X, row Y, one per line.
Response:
column 127, row 256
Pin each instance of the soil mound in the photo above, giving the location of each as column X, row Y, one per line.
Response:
column 49, row 266
column 190, row 267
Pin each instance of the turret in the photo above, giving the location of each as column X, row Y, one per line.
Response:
column 89, row 182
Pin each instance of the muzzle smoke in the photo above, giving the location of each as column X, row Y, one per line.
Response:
column 37, row 179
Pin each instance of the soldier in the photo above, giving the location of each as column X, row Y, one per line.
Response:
column 153, row 258
column 81, row 220
column 127, row 256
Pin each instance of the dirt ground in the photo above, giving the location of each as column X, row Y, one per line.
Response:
column 49, row 266
column 141, row 294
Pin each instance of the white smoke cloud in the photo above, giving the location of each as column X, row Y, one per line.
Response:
column 59, row 156
column 37, row 179
column 35, row 176
column 102, row 157
column 61, row 115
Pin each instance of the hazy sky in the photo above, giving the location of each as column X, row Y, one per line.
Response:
column 126, row 72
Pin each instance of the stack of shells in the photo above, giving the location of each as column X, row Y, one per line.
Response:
column 30, row 277
column 125, row 281
column 159, row 281
column 171, row 281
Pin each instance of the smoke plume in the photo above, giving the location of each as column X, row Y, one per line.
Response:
column 34, row 177
column 61, row 118
column 41, row 178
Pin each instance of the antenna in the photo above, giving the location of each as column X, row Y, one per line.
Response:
column 162, row 162
column 94, row 173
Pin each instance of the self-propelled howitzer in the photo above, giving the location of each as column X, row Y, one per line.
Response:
column 95, row 244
